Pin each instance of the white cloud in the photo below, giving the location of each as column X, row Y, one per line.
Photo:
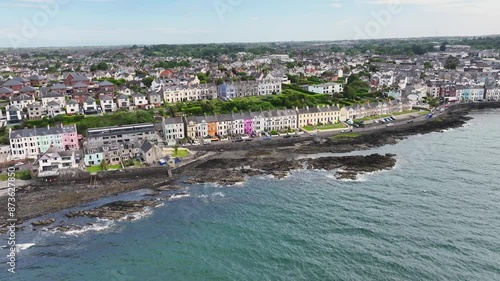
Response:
column 337, row 4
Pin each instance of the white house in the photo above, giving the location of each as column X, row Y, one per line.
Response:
column 173, row 128
column 22, row 101
column 54, row 109
column 107, row 104
column 14, row 115
column 72, row 107
column 54, row 96
column 123, row 101
column 90, row 106
column 51, row 162
column 139, row 100
column 327, row 88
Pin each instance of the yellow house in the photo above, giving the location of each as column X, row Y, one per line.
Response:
column 317, row 115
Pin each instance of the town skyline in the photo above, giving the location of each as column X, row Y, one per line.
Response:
column 66, row 23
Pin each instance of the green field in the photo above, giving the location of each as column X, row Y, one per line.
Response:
column 181, row 153
column 20, row 175
column 325, row 127
column 346, row 136
column 96, row 169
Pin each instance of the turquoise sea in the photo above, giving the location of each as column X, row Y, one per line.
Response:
column 436, row 216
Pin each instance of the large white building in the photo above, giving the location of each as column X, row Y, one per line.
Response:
column 174, row 94
column 327, row 88
column 173, row 129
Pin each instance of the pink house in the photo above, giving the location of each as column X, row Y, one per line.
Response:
column 248, row 124
column 70, row 138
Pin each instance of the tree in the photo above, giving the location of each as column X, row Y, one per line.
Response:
column 148, row 81
column 219, row 81
column 104, row 165
column 427, row 65
column 176, row 150
column 442, row 48
column 451, row 63
column 102, row 66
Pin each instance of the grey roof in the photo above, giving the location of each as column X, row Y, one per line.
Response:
column 27, row 89
column 44, row 131
column 35, row 104
column 58, row 87
column 13, row 108
column 122, row 97
column 89, row 100
column 53, row 95
column 72, row 102
column 172, row 121
column 12, row 82
column 80, row 85
column 105, row 97
column 22, row 97
column 36, row 78
column 21, row 79
column 53, row 103
column 106, row 83
column 146, row 146
column 211, row 118
column 225, row 117
column 4, row 90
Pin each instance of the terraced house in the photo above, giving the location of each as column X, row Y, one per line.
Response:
column 317, row 115
column 30, row 143
column 179, row 93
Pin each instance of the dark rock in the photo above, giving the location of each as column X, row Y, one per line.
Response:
column 115, row 210
column 43, row 222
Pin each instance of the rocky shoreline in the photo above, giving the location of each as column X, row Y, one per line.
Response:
column 230, row 165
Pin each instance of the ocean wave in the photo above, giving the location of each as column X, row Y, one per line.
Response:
column 138, row 215
column 20, row 247
column 94, row 227
column 179, row 196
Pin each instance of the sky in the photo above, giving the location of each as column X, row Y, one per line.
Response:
column 53, row 23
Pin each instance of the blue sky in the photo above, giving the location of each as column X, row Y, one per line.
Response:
column 39, row 23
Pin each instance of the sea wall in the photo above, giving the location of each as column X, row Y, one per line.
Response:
column 469, row 106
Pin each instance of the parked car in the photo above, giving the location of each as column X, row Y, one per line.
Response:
column 287, row 136
column 390, row 125
column 411, row 121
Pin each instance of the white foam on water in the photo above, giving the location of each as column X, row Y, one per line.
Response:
column 22, row 247
column 218, row 194
column 138, row 215
column 180, row 196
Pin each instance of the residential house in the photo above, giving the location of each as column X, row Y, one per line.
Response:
column 493, row 94
column 139, row 100
column 123, row 101
column 173, row 129
column 327, row 88
column 107, row 103
column 155, row 99
column 38, row 81
column 28, row 90
column 36, row 111
column 150, row 153
column 114, row 137
column 90, row 106
column 179, row 93
column 72, row 107
column 14, row 85
column 54, row 108
column 59, row 88
column 318, row 115
column 52, row 161
column 6, row 93
column 54, row 96
column 93, row 156
column 73, row 78
column 106, row 88
column 15, row 115
column 22, row 101
column 29, row 143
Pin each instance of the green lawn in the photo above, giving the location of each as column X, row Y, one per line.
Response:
column 346, row 136
column 96, row 169
column 325, row 127
column 374, row 117
column 406, row 112
column 424, row 112
column 181, row 153
column 20, row 175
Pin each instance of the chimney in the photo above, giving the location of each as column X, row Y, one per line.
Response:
column 48, row 127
